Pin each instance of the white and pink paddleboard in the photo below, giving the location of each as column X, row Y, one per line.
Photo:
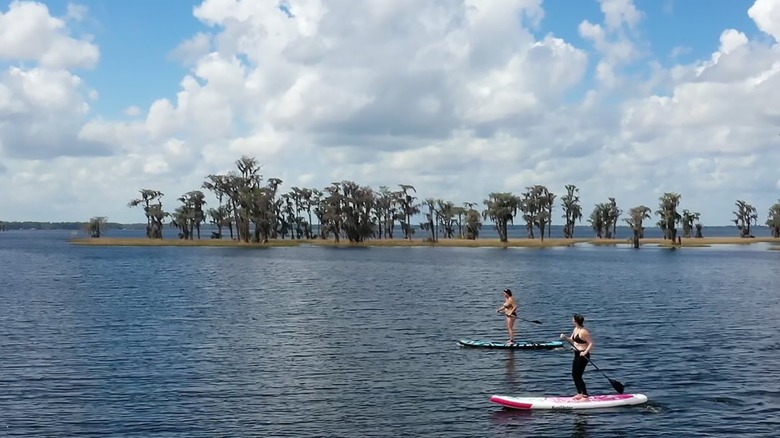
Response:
column 569, row 403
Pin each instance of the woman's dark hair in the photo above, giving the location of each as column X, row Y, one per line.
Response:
column 508, row 292
column 579, row 319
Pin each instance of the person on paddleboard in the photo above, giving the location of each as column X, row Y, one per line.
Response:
column 581, row 340
column 510, row 310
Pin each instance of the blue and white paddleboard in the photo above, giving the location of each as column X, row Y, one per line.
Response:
column 517, row 345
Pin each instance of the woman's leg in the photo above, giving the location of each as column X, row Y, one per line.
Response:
column 577, row 370
column 510, row 324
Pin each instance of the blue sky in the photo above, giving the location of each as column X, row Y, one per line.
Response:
column 334, row 83
column 135, row 39
column 667, row 24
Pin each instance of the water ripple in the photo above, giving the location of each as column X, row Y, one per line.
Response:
column 328, row 342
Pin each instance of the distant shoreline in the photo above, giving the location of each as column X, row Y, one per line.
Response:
column 452, row 243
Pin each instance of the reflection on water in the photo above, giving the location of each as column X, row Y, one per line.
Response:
column 580, row 426
column 511, row 376
column 509, row 417
column 510, row 420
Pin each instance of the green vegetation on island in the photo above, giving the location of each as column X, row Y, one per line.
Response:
column 252, row 210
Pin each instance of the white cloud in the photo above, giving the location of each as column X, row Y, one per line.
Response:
column 192, row 49
column 453, row 96
column 76, row 12
column 29, row 33
column 612, row 40
column 41, row 114
column 679, row 51
column 133, row 111
column 618, row 13
column 766, row 14
column 43, row 107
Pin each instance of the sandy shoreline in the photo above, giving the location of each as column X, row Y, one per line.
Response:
column 459, row 243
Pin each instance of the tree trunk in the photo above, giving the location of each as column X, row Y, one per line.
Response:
column 504, row 231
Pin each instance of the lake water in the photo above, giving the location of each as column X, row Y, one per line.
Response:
column 311, row 341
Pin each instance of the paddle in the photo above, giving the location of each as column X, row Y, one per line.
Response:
column 615, row 384
column 535, row 321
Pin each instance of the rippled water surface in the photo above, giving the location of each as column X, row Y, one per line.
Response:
column 316, row 341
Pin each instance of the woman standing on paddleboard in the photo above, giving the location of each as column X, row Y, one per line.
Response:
column 582, row 342
column 510, row 310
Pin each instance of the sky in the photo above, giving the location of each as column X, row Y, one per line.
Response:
column 459, row 98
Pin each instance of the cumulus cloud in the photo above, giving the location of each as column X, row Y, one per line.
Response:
column 612, row 40
column 44, row 107
column 192, row 49
column 766, row 15
column 29, row 33
column 42, row 112
column 619, row 13
column 457, row 97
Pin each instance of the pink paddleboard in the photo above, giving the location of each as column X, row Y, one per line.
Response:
column 569, row 403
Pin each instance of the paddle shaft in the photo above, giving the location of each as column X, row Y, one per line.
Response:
column 535, row 321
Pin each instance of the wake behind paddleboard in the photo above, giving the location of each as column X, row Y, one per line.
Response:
column 522, row 345
column 568, row 403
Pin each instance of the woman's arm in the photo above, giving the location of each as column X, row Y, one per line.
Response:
column 587, row 338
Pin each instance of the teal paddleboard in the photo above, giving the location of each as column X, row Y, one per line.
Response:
column 517, row 345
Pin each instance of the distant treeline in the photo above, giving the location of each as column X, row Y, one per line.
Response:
column 257, row 210
column 75, row 226
column 30, row 225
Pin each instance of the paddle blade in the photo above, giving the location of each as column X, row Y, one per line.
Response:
column 617, row 385
column 536, row 321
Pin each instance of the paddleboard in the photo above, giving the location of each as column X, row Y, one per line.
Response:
column 521, row 345
column 568, row 403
